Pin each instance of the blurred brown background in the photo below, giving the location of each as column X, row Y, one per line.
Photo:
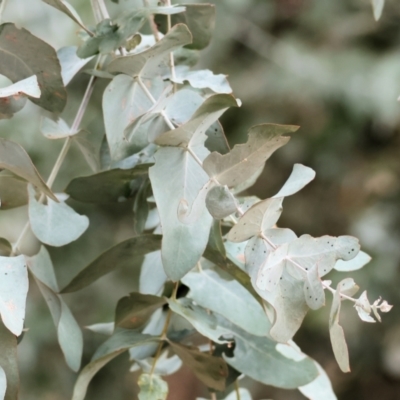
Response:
column 324, row 65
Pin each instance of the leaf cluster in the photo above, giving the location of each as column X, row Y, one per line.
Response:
column 215, row 268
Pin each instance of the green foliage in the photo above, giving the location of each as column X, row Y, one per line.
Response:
column 214, row 268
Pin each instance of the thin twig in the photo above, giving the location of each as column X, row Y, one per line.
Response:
column 100, row 11
column 61, row 157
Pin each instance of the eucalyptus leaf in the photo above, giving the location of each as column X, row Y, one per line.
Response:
column 205, row 323
column 147, row 63
column 107, row 186
column 28, row 86
column 55, row 129
column 15, row 159
column 13, row 191
column 221, row 202
column 215, row 256
column 262, row 216
column 152, row 275
column 182, row 244
column 289, row 306
column 200, row 19
column 134, row 311
column 13, row 291
column 319, row 388
column 120, row 255
column 3, row 383
column 111, row 348
column 55, row 224
column 68, row 331
column 104, row 328
column 152, row 387
column 217, row 291
column 201, row 79
column 356, row 263
column 124, row 100
column 110, row 35
column 88, row 150
column 24, row 55
column 212, row 371
column 71, row 64
column 164, row 366
column 300, row 177
column 9, row 364
column 216, row 139
column 11, row 105
column 243, row 393
column 258, row 358
column 246, row 159
column 377, row 7
column 66, row 8
column 313, row 289
column 336, row 333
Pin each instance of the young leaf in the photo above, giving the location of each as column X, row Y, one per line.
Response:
column 147, row 63
column 55, row 224
column 336, row 333
column 134, row 311
column 67, row 9
column 258, row 358
column 122, row 254
column 205, row 323
column 218, row 292
column 152, row 387
column 245, row 159
column 111, row 348
column 13, row 192
column 28, row 86
column 262, row 216
column 364, row 308
column 220, row 202
column 201, row 79
column 212, row 371
column 299, row 178
column 15, row 159
column 356, row 263
column 68, row 331
column 24, row 55
column 13, row 291
column 182, row 244
column 9, row 364
column 71, row 64
column 106, row 187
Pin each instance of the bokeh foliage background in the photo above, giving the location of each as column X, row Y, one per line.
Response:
column 324, row 65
